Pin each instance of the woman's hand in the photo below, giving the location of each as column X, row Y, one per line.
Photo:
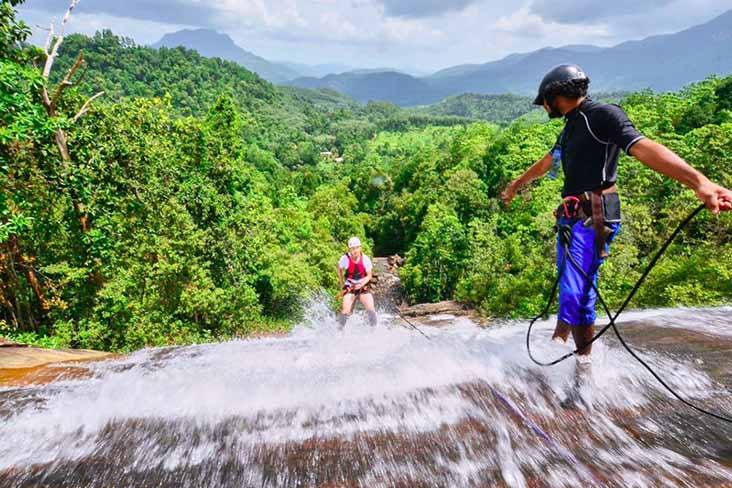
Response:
column 716, row 198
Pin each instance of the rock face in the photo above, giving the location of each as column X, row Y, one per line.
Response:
column 21, row 364
column 446, row 307
column 386, row 286
column 6, row 343
column 22, row 357
column 389, row 296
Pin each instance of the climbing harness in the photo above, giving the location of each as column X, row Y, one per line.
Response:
column 356, row 269
column 565, row 237
column 570, row 207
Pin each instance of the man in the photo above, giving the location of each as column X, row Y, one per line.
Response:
column 355, row 271
column 588, row 149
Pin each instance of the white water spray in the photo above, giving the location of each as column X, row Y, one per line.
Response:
column 417, row 410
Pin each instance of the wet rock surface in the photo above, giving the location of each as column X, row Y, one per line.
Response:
column 386, row 285
column 447, row 307
column 234, row 452
column 22, row 364
column 383, row 408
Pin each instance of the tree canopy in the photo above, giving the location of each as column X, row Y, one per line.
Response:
column 215, row 204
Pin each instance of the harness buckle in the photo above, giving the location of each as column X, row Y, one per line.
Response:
column 569, row 208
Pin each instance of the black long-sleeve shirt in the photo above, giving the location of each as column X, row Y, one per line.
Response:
column 593, row 136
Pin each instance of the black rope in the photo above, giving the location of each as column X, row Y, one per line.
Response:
column 613, row 319
column 407, row 321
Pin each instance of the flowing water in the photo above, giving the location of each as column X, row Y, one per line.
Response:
column 383, row 407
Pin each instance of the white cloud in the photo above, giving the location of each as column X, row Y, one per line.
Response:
column 427, row 34
column 142, row 31
column 524, row 23
column 583, row 11
column 422, row 8
column 270, row 15
column 411, row 32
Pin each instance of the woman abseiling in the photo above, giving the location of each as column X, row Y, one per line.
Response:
column 355, row 272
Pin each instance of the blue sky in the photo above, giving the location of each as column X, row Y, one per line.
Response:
column 417, row 35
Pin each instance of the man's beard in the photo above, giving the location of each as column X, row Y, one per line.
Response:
column 555, row 113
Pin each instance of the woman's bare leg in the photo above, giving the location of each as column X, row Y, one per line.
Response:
column 367, row 300
column 346, row 309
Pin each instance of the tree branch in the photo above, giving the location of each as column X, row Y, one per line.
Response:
column 65, row 83
column 51, row 56
column 47, row 46
column 50, row 104
column 46, row 99
column 81, row 76
column 85, row 107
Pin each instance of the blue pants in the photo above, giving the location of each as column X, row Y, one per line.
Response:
column 577, row 298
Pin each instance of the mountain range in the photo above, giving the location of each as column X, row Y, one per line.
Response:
column 665, row 62
column 212, row 44
column 661, row 63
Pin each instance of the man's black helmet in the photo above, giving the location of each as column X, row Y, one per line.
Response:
column 558, row 76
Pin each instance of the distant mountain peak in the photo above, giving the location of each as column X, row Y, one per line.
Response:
column 186, row 37
column 213, row 44
column 582, row 48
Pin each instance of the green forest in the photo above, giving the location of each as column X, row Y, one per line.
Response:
column 195, row 202
column 499, row 109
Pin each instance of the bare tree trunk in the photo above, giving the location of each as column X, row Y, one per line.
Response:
column 14, row 261
column 7, row 297
column 51, row 103
column 79, row 207
column 18, row 311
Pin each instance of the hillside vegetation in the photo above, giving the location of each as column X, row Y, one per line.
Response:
column 499, row 109
column 195, row 204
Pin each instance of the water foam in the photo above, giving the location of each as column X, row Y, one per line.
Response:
column 319, row 382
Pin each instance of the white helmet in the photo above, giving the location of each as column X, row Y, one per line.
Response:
column 354, row 242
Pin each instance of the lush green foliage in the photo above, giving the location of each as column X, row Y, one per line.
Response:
column 196, row 229
column 293, row 124
column 121, row 69
column 502, row 260
column 197, row 204
column 13, row 32
column 189, row 239
column 500, row 109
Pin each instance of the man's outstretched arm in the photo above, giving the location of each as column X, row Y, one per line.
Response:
column 661, row 159
column 537, row 170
